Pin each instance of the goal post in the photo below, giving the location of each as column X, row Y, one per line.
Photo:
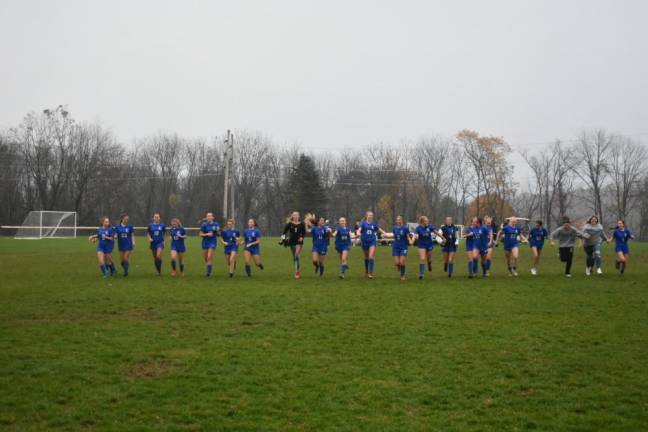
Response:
column 48, row 224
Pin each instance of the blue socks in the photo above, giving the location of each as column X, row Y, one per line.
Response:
column 111, row 266
column 371, row 265
column 450, row 268
column 366, row 265
column 402, row 270
column 158, row 265
column 248, row 270
column 104, row 269
column 321, row 269
column 209, row 269
column 421, row 269
column 344, row 268
column 296, row 263
column 181, row 267
column 124, row 265
column 173, row 265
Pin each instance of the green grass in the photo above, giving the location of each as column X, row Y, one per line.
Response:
column 272, row 353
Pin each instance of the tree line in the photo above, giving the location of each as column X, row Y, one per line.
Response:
column 51, row 162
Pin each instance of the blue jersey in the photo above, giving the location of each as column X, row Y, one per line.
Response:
column 106, row 239
column 474, row 241
column 230, row 236
column 511, row 234
column 156, row 231
column 177, row 242
column 401, row 236
column 342, row 238
column 449, row 233
column 214, row 228
column 621, row 236
column 425, row 236
column 486, row 236
column 537, row 236
column 251, row 235
column 124, row 237
column 368, row 232
column 320, row 237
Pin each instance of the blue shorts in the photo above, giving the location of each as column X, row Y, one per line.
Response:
column 427, row 246
column 471, row 247
column 483, row 251
column 450, row 248
column 179, row 248
column 623, row 248
column 342, row 248
column 125, row 247
column 156, row 246
column 399, row 251
column 510, row 246
column 209, row 245
column 107, row 249
column 230, row 249
column 538, row 246
column 367, row 245
column 320, row 251
column 254, row 250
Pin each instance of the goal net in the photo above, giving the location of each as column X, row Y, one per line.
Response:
column 48, row 224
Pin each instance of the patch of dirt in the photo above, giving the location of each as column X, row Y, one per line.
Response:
column 151, row 368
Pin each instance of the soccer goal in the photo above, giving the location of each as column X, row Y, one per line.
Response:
column 48, row 224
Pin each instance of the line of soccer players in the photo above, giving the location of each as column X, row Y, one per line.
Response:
column 480, row 239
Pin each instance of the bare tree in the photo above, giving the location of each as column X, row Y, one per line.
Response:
column 594, row 150
column 626, row 166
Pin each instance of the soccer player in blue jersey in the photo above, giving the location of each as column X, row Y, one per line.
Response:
column 368, row 231
column 487, row 244
column 125, row 241
column 252, row 251
column 343, row 237
column 403, row 238
column 178, row 235
column 426, row 236
column 231, row 238
column 621, row 235
column 209, row 230
column 537, row 236
column 512, row 236
column 473, row 244
column 320, row 234
column 449, row 232
column 105, row 238
column 155, row 235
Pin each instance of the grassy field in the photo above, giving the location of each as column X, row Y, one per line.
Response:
column 271, row 353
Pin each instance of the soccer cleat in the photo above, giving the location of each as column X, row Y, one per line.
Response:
column 599, row 271
column 534, row 271
column 515, row 273
column 173, row 273
column 402, row 278
column 341, row 276
column 588, row 271
column 420, row 277
column 297, row 275
column 370, row 275
column 568, row 275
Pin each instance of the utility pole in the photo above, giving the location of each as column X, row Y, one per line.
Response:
column 228, row 141
column 233, row 179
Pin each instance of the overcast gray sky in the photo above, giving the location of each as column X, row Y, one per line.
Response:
column 331, row 74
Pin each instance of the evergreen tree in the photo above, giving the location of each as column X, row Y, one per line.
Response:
column 305, row 187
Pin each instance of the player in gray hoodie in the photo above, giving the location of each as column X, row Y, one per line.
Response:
column 592, row 244
column 566, row 235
